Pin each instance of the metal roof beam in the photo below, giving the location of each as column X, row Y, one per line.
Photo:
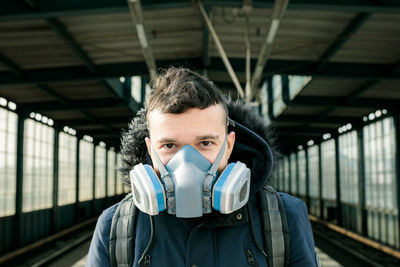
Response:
column 15, row 69
column 114, row 87
column 280, row 7
column 70, row 41
column 220, row 49
column 319, row 101
column 283, row 67
column 17, row 10
column 83, row 122
column 138, row 19
column 45, row 88
column 206, row 43
column 83, row 104
column 312, row 119
column 343, row 37
column 303, row 131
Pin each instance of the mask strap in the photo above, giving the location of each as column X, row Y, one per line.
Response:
column 210, row 178
column 218, row 159
column 165, row 176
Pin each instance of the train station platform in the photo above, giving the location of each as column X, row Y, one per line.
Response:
column 321, row 79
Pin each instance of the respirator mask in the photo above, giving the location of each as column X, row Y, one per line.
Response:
column 189, row 186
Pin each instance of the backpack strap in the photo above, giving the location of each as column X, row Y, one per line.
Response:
column 275, row 228
column 122, row 233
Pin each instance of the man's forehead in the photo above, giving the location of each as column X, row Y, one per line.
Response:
column 212, row 113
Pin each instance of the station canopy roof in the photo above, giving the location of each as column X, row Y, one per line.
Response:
column 71, row 60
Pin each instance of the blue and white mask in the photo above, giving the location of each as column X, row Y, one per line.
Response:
column 189, row 186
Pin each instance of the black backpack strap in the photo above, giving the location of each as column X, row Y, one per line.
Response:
column 122, row 233
column 275, row 228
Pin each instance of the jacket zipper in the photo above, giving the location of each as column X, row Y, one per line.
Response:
column 250, row 258
column 147, row 261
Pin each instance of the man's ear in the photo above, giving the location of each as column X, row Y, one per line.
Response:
column 230, row 142
column 148, row 144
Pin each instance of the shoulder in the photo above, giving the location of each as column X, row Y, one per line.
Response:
column 302, row 252
column 105, row 219
column 102, row 231
column 293, row 205
column 98, row 252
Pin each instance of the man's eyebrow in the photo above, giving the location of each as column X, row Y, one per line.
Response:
column 166, row 140
column 207, row 137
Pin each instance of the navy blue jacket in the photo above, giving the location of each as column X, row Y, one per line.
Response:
column 179, row 242
column 216, row 239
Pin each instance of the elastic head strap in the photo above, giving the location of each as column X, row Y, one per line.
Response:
column 217, row 161
column 158, row 162
column 165, row 176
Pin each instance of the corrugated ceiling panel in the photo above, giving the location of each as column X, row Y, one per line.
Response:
column 303, row 110
column 330, row 87
column 24, row 94
column 302, row 34
column 64, row 115
column 81, row 90
column 384, row 89
column 107, row 113
column 377, row 41
column 113, row 38
column 33, row 44
column 332, row 125
column 351, row 112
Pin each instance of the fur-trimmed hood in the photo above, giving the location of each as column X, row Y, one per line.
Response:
column 253, row 145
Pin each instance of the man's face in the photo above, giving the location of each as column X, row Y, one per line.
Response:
column 204, row 129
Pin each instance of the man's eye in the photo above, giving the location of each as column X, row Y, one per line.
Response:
column 169, row 146
column 206, row 143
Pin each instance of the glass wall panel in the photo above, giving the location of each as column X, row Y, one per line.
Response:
column 8, row 161
column 275, row 175
column 380, row 184
column 281, row 174
column 120, row 186
column 111, row 172
column 286, row 173
column 66, row 169
column 38, row 166
column 293, row 173
column 100, row 165
column 296, row 84
column 313, row 171
column 85, row 170
column 349, row 167
column 301, row 157
column 328, row 170
column 278, row 105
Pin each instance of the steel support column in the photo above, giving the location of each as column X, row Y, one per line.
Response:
column 396, row 119
column 106, row 182
column 321, row 202
column 270, row 97
column 143, row 92
column 77, row 177
column 289, row 189
column 19, row 181
column 54, row 210
column 307, row 180
column 297, row 174
column 362, row 218
column 339, row 214
column 92, row 207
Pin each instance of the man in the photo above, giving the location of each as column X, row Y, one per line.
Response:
column 184, row 217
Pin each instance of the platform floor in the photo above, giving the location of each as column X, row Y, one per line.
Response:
column 326, row 261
